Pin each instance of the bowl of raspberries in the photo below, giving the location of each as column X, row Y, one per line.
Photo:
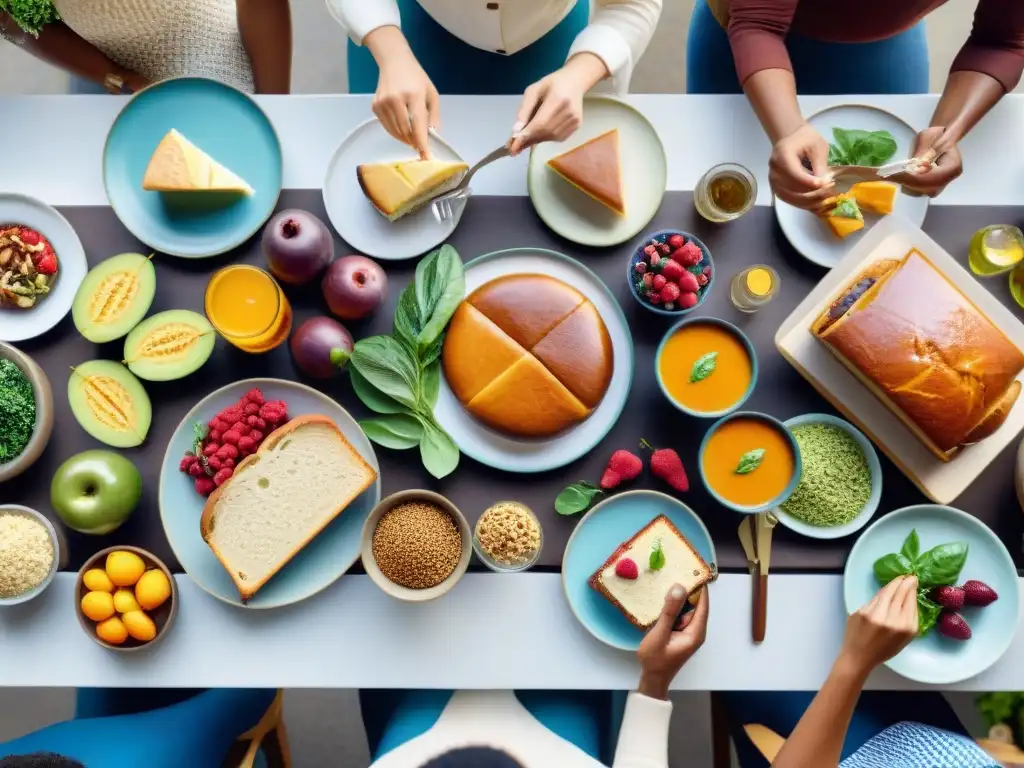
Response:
column 670, row 272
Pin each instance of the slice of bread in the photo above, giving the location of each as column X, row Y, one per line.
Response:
column 302, row 477
column 642, row 599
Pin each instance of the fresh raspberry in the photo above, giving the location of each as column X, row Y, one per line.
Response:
column 210, row 449
column 46, row 264
column 251, row 409
column 640, row 267
column 215, row 436
column 205, row 486
column 217, row 424
column 215, row 463
column 257, row 436
column 702, row 279
column 242, row 428
column 690, row 255
column 627, row 568
column 650, row 250
column 256, row 423
column 672, row 271
column 222, row 476
column 230, row 414
column 186, row 462
column 655, row 261
column 197, row 470
column 688, row 283
column 706, row 270
column 228, row 451
column 28, row 236
column 254, row 396
column 231, row 437
column 647, row 280
column 658, row 282
column 687, row 300
column 273, row 413
column 246, row 445
column 676, row 241
column 654, row 298
column 229, row 463
column 669, row 292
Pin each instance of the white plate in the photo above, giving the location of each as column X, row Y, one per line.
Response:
column 517, row 455
column 576, row 216
column 354, row 217
column 21, row 324
column 893, row 238
column 807, row 232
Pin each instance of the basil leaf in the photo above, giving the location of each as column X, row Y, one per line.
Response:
column 836, row 156
column 399, row 431
column 928, row 614
column 372, row 397
column 577, row 498
column 703, row 367
column 430, row 385
column 941, row 565
column 406, row 327
column 431, row 352
column 657, row 559
column 386, row 364
column 438, row 451
column 892, row 566
column 750, row 461
column 440, row 286
column 858, row 147
column 911, row 546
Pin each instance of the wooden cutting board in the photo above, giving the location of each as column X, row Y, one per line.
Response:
column 892, row 238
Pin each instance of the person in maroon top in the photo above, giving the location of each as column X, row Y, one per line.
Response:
column 773, row 49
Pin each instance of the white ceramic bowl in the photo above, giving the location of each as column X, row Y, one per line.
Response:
column 17, row 509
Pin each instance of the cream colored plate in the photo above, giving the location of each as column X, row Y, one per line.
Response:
column 893, row 238
column 577, row 217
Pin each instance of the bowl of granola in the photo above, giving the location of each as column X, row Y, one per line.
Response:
column 42, row 263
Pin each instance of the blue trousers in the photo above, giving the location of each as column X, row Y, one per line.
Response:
column 876, row 711
column 898, row 64
column 153, row 728
column 458, row 68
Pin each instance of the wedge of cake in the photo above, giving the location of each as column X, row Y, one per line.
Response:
column 399, row 188
column 178, row 165
column 595, row 168
column 638, row 575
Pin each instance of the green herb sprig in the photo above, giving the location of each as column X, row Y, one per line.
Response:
column 30, row 15
column 703, row 367
column 17, row 411
column 657, row 559
column 398, row 376
column 856, row 147
column 750, row 461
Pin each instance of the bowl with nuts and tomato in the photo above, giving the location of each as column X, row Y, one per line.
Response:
column 670, row 272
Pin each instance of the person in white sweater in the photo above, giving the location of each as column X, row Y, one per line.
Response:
column 407, row 52
column 501, row 729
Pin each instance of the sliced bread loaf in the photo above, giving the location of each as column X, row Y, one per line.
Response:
column 303, row 476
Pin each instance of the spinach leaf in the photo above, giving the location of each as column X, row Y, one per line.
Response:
column 858, row 147
column 407, row 324
column 388, row 365
column 440, row 285
column 911, row 546
column 941, row 565
column 399, row 431
column 703, row 367
column 577, row 498
column 372, row 397
column 430, row 386
column 438, row 451
column 891, row 566
column 928, row 614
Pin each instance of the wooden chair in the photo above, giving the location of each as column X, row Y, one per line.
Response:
column 270, row 735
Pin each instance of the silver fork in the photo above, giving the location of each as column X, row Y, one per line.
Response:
column 442, row 206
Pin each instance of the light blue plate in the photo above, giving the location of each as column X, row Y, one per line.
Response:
column 935, row 659
column 321, row 562
column 223, row 122
column 603, row 530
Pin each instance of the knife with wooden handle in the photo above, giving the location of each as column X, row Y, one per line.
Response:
column 763, row 525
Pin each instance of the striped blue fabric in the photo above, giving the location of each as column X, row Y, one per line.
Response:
column 913, row 745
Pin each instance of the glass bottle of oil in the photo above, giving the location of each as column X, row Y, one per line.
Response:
column 725, row 193
column 996, row 249
column 753, row 287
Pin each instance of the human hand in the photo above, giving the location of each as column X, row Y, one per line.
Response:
column 666, row 647
column 883, row 627
column 406, row 102
column 135, row 83
column 552, row 108
column 942, row 163
column 790, row 179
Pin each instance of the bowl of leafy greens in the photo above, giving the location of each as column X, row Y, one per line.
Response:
column 26, row 411
column 968, row 596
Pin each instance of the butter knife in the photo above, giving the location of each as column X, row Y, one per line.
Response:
column 763, row 525
column 748, row 533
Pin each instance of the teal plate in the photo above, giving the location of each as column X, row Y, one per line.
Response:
column 935, row 659
column 321, row 562
column 603, row 530
column 223, row 122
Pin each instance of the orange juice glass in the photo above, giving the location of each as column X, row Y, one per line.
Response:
column 248, row 308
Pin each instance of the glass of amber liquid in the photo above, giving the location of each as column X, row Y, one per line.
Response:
column 248, row 308
column 725, row 193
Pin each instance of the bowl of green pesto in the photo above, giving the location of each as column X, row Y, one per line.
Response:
column 840, row 481
column 26, row 412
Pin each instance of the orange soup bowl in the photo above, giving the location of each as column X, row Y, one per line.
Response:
column 706, row 367
column 749, row 462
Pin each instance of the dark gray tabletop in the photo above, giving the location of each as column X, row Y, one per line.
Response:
column 494, row 223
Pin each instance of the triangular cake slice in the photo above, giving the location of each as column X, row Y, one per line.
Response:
column 594, row 167
column 399, row 188
column 178, row 165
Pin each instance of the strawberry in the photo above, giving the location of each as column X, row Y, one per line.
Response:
column 688, row 283
column 623, row 465
column 672, row 271
column 28, row 236
column 46, row 264
column 953, row 626
column 690, row 255
column 676, row 241
column 669, row 292
column 627, row 568
column 655, row 261
column 658, row 282
column 979, row 593
column 666, row 464
column 654, row 297
column 650, row 250
column 687, row 300
column 949, row 597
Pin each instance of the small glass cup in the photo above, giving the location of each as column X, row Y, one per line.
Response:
column 248, row 308
column 996, row 249
column 725, row 193
column 754, row 287
column 498, row 566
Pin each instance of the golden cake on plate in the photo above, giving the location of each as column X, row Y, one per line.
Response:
column 528, row 355
column 595, row 168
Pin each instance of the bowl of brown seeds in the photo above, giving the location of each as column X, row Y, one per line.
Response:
column 416, row 545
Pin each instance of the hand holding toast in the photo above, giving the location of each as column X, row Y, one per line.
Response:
column 671, row 642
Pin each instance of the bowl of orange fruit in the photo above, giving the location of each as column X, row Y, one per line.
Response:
column 126, row 599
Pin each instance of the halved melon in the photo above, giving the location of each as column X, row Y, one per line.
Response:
column 110, row 403
column 845, row 218
column 169, row 345
column 114, row 297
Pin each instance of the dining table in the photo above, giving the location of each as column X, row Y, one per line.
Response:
column 492, row 631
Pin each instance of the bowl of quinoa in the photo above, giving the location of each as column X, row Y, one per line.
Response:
column 840, row 483
column 416, row 545
column 26, row 412
column 508, row 537
column 29, row 554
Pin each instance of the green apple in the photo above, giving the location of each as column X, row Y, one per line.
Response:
column 95, row 491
